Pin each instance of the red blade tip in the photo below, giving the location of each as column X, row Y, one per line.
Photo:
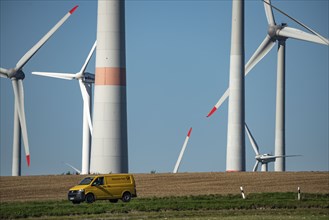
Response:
column 189, row 132
column 28, row 160
column 73, row 9
column 211, row 112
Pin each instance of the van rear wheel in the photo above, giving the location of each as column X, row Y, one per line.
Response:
column 90, row 198
column 126, row 197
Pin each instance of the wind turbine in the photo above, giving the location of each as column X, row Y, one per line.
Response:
column 278, row 33
column 16, row 75
column 182, row 151
column 85, row 80
column 75, row 169
column 264, row 159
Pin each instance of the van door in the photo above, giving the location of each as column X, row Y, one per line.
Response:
column 113, row 187
column 118, row 184
column 99, row 189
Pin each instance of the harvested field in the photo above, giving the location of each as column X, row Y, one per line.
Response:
column 32, row 188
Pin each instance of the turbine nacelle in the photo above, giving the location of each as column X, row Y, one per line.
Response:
column 13, row 74
column 265, row 158
column 88, row 78
column 273, row 30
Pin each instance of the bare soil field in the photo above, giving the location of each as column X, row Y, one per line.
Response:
column 36, row 188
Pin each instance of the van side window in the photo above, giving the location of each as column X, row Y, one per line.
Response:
column 99, row 181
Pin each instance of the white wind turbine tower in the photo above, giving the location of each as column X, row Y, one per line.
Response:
column 235, row 150
column 278, row 33
column 85, row 82
column 16, row 75
column 264, row 159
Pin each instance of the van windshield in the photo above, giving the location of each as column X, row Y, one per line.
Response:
column 86, row 181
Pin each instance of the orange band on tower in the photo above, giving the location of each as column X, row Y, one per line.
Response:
column 110, row 76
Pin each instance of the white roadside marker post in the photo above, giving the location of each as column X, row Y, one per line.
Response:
column 242, row 192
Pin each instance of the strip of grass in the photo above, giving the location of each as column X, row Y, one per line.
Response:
column 250, row 214
column 263, row 201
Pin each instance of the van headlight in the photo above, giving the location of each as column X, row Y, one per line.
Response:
column 81, row 191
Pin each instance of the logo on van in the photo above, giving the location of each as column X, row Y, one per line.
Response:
column 121, row 178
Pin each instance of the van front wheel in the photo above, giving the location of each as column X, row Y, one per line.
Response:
column 90, row 198
column 126, row 197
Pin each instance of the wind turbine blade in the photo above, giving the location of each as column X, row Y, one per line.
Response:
column 252, row 140
column 182, row 151
column 19, row 100
column 78, row 171
column 269, row 13
column 88, row 58
column 261, row 51
column 23, row 120
column 86, row 105
column 219, row 103
column 256, row 166
column 3, row 72
column 280, row 156
column 42, row 41
column 67, row 76
column 2, row 75
column 292, row 155
column 300, row 23
column 301, row 35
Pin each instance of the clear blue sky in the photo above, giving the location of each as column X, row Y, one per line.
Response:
column 177, row 68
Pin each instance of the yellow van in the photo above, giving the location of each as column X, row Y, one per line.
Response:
column 104, row 187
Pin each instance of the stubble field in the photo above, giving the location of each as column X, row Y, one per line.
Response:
column 270, row 195
column 40, row 188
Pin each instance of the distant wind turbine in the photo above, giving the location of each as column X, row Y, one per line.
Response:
column 76, row 170
column 278, row 33
column 85, row 82
column 182, row 151
column 274, row 32
column 16, row 75
column 264, row 159
column 281, row 33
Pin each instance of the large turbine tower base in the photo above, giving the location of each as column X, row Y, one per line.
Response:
column 109, row 151
column 235, row 155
